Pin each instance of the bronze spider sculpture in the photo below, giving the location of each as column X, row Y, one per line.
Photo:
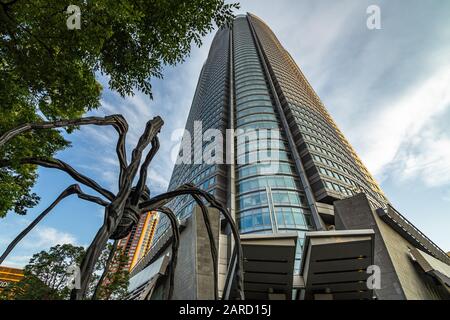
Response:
column 122, row 210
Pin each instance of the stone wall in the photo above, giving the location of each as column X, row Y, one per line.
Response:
column 355, row 213
column 399, row 277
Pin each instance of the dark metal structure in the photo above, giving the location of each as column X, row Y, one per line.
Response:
column 122, row 210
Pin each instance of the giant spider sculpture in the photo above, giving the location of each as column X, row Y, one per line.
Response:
column 122, row 210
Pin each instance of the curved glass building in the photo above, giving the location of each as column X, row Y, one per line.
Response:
column 310, row 214
column 250, row 82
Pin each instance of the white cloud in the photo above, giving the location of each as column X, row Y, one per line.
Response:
column 41, row 238
column 406, row 123
column 44, row 237
column 157, row 179
column 384, row 91
column 427, row 157
column 17, row 261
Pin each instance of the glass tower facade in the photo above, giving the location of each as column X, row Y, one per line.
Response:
column 250, row 82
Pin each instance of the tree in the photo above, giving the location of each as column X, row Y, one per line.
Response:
column 115, row 284
column 48, row 273
column 48, row 72
column 46, row 276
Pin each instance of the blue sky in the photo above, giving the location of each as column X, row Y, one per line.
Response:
column 388, row 90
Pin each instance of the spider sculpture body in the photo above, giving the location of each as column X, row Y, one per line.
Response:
column 122, row 210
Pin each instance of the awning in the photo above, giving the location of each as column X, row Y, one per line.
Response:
column 334, row 264
column 141, row 285
column 437, row 269
column 268, row 265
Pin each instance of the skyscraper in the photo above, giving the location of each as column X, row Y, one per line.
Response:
column 250, row 81
column 138, row 242
column 311, row 189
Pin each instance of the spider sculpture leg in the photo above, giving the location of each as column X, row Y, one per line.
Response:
column 73, row 189
column 139, row 189
column 140, row 192
column 115, row 211
column 163, row 199
column 87, row 265
column 106, row 270
column 175, row 245
column 237, row 247
column 80, row 178
column 140, row 186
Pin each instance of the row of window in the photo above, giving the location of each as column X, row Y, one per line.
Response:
column 264, row 169
column 261, row 182
column 208, row 183
column 327, row 161
column 332, row 186
column 242, row 85
column 324, row 144
column 262, row 156
column 253, row 97
column 318, row 132
column 258, row 199
column 187, row 209
column 251, row 86
column 288, row 198
column 303, row 113
column 258, row 221
column 315, row 124
column 292, row 218
column 252, row 91
column 335, row 175
column 338, row 166
column 286, row 218
column 249, row 76
column 312, row 117
column 247, row 67
column 199, row 177
column 245, row 146
column 260, row 125
column 254, row 110
column 256, row 117
column 251, row 104
column 246, row 60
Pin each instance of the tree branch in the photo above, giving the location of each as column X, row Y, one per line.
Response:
column 5, row 7
column 7, row 4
